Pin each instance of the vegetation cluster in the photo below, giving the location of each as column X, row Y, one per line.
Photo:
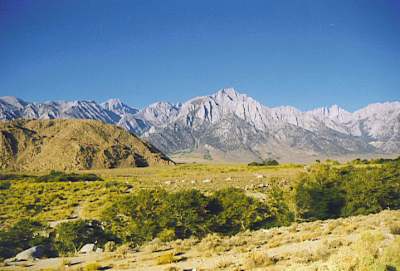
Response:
column 324, row 191
column 266, row 162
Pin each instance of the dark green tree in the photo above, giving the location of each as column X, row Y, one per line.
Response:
column 318, row 194
column 239, row 212
column 22, row 235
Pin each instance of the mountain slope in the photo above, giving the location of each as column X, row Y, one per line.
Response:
column 72, row 145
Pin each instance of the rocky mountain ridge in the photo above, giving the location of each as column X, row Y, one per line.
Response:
column 230, row 124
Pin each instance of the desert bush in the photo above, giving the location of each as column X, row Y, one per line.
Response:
column 166, row 258
column 147, row 214
column 167, row 235
column 329, row 192
column 371, row 190
column 318, row 194
column 13, row 176
column 369, row 252
column 110, row 246
column 184, row 245
column 123, row 250
column 188, row 213
column 267, row 162
column 4, row 185
column 213, row 244
column 223, row 264
column 394, row 228
column 256, row 260
column 71, row 236
column 58, row 176
column 278, row 204
column 137, row 217
column 238, row 212
column 92, row 267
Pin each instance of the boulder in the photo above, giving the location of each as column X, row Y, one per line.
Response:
column 87, row 248
column 30, row 254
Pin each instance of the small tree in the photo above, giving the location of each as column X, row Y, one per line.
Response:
column 318, row 195
column 23, row 234
column 136, row 218
column 278, row 204
column 186, row 212
column 271, row 162
column 239, row 212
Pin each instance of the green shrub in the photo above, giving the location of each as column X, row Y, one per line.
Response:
column 71, row 236
column 238, row 212
column 137, row 217
column 12, row 176
column 147, row 214
column 57, row 176
column 166, row 258
column 278, row 201
column 187, row 212
column 267, row 162
column 167, row 235
column 22, row 235
column 271, row 162
column 92, row 267
column 110, row 246
column 4, row 185
column 371, row 190
column 329, row 192
column 318, row 194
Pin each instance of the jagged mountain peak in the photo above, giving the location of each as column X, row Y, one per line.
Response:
column 159, row 113
column 112, row 102
column 118, row 107
column 13, row 101
column 230, row 92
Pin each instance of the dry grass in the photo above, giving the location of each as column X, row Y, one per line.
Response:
column 180, row 176
column 394, row 228
column 294, row 248
column 256, row 259
column 167, row 258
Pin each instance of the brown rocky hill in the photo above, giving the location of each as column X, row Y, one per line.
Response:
column 62, row 144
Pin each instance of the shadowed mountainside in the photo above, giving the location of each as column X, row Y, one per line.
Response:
column 72, row 145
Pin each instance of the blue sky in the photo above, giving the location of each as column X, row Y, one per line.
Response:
column 304, row 53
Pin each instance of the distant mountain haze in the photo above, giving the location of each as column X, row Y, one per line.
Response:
column 231, row 126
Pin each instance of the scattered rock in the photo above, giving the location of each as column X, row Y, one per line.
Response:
column 30, row 254
column 9, row 261
column 88, row 248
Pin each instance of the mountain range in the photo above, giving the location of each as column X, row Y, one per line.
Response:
column 231, row 126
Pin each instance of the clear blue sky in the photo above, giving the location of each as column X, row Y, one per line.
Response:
column 305, row 53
